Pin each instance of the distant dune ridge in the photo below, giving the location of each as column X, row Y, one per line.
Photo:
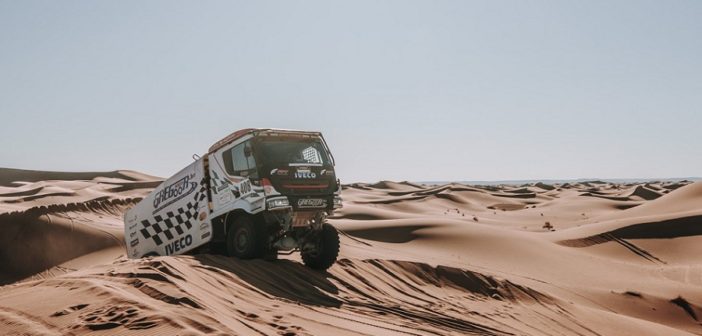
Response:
column 49, row 218
column 538, row 258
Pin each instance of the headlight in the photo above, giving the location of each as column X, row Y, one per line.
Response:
column 337, row 202
column 278, row 203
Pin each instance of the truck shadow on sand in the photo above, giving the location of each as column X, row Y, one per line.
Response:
column 282, row 279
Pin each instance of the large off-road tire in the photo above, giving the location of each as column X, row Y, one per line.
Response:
column 245, row 239
column 326, row 250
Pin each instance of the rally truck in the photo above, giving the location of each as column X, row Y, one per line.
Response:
column 256, row 193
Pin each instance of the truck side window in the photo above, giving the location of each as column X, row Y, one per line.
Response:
column 228, row 162
column 236, row 163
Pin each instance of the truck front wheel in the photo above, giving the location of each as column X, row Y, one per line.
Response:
column 326, row 249
column 245, row 239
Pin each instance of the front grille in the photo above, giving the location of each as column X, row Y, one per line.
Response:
column 305, row 189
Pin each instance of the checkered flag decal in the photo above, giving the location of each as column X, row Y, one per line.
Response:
column 217, row 181
column 174, row 220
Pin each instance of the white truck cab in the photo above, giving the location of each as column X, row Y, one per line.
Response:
column 256, row 193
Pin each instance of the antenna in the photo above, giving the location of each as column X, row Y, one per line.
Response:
column 196, row 157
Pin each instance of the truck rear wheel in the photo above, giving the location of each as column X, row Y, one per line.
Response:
column 245, row 239
column 326, row 250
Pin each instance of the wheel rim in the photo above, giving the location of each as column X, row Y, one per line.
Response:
column 318, row 246
column 241, row 240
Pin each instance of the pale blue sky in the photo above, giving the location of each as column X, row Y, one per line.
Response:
column 402, row 90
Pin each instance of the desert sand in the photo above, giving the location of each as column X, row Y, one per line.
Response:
column 589, row 258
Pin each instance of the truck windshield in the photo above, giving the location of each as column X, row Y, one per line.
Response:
column 293, row 152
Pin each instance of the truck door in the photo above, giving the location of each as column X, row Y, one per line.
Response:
column 234, row 175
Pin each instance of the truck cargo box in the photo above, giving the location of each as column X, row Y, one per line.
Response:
column 173, row 218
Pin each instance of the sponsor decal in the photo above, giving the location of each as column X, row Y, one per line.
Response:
column 132, row 234
column 203, row 226
column 132, row 222
column 304, row 174
column 250, row 196
column 205, row 235
column 279, row 172
column 134, row 242
column 225, row 198
column 179, row 244
column 312, row 203
column 174, row 192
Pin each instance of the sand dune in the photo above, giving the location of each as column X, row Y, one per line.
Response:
column 47, row 221
column 589, row 258
column 10, row 177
